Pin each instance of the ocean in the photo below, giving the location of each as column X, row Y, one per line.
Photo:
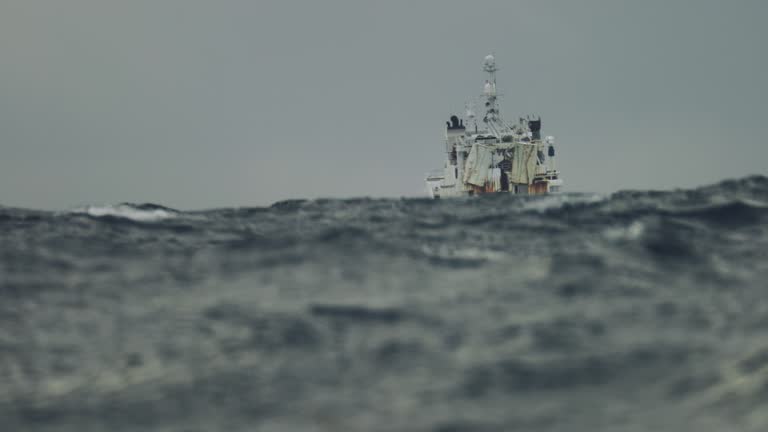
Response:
column 635, row 311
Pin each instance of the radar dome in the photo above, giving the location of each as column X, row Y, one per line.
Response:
column 489, row 64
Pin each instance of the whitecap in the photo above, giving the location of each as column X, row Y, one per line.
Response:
column 632, row 231
column 127, row 212
column 554, row 201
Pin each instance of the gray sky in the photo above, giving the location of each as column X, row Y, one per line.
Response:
column 197, row 104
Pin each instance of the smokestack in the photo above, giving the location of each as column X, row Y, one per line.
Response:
column 535, row 127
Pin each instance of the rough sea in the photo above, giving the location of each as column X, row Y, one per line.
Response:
column 636, row 311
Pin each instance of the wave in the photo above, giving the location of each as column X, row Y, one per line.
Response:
column 570, row 306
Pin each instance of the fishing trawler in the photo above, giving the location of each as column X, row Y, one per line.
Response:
column 495, row 156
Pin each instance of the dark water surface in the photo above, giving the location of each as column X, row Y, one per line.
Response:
column 642, row 311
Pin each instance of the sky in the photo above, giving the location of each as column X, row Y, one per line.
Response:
column 200, row 104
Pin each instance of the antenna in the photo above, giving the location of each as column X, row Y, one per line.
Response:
column 469, row 106
column 471, row 116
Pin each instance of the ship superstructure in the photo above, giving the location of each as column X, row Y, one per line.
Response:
column 495, row 156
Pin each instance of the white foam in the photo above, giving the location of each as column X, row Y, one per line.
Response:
column 127, row 212
column 552, row 201
column 631, row 232
column 462, row 253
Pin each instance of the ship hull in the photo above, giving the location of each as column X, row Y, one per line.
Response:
column 437, row 189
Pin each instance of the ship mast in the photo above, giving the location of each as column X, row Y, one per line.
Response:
column 492, row 116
